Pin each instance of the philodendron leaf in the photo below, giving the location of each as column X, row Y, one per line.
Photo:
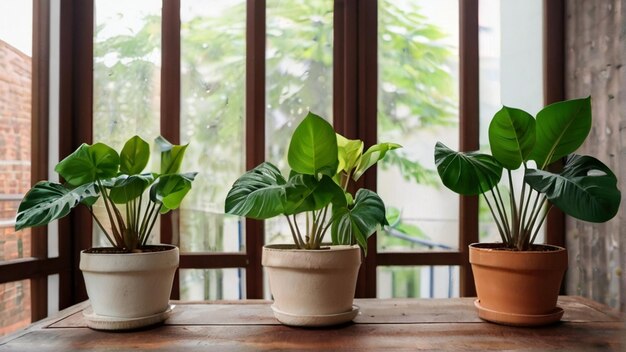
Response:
column 561, row 128
column 511, row 137
column 467, row 173
column 127, row 187
column 171, row 189
column 349, row 153
column 48, row 201
column 134, row 156
column 171, row 155
column 586, row 188
column 373, row 154
column 306, row 193
column 356, row 224
column 88, row 163
column 313, row 147
column 258, row 194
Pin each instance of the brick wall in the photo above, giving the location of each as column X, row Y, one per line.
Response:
column 15, row 135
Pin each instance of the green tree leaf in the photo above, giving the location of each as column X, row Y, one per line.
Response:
column 372, row 156
column 88, row 163
column 561, row 128
column 352, row 225
column 48, row 201
column 586, row 188
column 134, row 156
column 171, row 155
column 349, row 153
column 467, row 173
column 511, row 137
column 313, row 147
column 257, row 194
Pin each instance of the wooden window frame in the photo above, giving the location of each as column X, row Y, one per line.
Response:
column 354, row 109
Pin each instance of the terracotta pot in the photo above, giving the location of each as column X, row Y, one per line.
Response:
column 518, row 287
column 129, row 285
column 312, row 287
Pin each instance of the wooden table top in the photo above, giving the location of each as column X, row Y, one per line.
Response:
column 382, row 324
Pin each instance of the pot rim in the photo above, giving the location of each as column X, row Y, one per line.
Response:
column 325, row 248
column 171, row 248
column 497, row 247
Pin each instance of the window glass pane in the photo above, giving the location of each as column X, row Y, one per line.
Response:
column 212, row 284
column 417, row 106
column 14, row 306
column 417, row 281
column 298, row 79
column 511, row 74
column 213, row 69
column 126, row 78
column 15, row 122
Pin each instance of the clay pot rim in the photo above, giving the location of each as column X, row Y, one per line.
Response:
column 325, row 248
column 498, row 247
column 170, row 247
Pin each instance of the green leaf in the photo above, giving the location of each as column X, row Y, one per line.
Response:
column 88, row 163
column 171, row 189
column 313, row 147
column 586, row 188
column 356, row 224
column 171, row 155
column 307, row 193
column 561, row 128
column 134, row 156
column 258, row 194
column 349, row 153
column 48, row 201
column 467, row 173
column 511, row 137
column 127, row 187
column 372, row 156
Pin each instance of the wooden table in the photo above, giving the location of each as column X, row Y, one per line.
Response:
column 382, row 325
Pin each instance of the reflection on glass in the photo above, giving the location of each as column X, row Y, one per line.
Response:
column 14, row 306
column 15, row 123
column 212, row 284
column 212, row 120
column 508, row 77
column 417, row 281
column 417, row 106
column 298, row 79
column 126, row 78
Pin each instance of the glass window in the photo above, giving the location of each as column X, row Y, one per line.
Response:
column 418, row 99
column 126, row 79
column 212, row 284
column 14, row 306
column 298, row 79
column 213, row 68
column 418, row 281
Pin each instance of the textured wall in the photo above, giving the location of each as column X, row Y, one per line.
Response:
column 595, row 59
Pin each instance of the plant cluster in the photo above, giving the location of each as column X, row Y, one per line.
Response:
column 582, row 186
column 98, row 171
column 322, row 165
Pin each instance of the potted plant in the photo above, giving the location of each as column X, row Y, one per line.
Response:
column 518, row 281
column 129, row 283
column 313, row 283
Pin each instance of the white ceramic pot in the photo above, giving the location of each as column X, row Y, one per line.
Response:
column 312, row 287
column 129, row 285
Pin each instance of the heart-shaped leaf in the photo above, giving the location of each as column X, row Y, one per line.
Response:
column 88, row 163
column 349, row 153
column 171, row 189
column 586, row 188
column 48, row 201
column 313, row 147
column 356, row 224
column 467, row 173
column 561, row 128
column 373, row 154
column 306, row 193
column 134, row 156
column 511, row 137
column 257, row 194
column 171, row 155
column 127, row 187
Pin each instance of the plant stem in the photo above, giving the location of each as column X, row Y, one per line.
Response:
column 514, row 214
column 156, row 216
column 118, row 237
column 503, row 217
column 293, row 234
column 106, row 233
column 533, row 220
column 543, row 218
column 295, row 222
column 320, row 233
column 495, row 219
column 347, row 182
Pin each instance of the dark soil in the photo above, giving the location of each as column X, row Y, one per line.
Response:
column 503, row 247
column 113, row 250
